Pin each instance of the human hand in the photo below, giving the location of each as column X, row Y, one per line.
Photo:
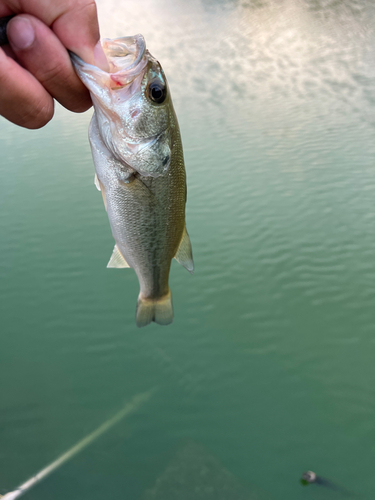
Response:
column 35, row 67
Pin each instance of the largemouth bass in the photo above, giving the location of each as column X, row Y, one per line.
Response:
column 137, row 151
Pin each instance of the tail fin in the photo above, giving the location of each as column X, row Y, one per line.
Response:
column 159, row 310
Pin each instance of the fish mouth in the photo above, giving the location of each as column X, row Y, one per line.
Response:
column 126, row 57
column 124, row 54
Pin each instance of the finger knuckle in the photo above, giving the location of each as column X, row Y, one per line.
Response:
column 80, row 106
column 84, row 5
column 65, row 87
column 48, row 76
column 35, row 117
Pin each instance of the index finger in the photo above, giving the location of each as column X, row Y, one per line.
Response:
column 75, row 23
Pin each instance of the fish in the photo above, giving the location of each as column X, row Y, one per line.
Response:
column 137, row 152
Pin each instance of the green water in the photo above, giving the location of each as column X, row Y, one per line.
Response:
column 269, row 364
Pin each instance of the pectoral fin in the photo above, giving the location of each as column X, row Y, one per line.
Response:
column 184, row 254
column 96, row 182
column 100, row 187
column 140, row 193
column 117, row 260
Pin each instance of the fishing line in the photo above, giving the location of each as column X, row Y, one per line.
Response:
column 129, row 408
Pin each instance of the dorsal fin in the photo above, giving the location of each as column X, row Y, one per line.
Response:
column 184, row 254
column 117, row 260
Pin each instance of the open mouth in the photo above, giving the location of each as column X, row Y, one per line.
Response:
column 126, row 58
column 124, row 54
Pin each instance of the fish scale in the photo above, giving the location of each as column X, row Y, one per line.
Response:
column 138, row 156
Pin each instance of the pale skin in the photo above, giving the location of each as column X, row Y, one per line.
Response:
column 35, row 67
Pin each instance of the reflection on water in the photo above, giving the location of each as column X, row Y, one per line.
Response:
column 195, row 473
column 269, row 364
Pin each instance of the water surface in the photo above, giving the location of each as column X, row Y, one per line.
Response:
column 269, row 364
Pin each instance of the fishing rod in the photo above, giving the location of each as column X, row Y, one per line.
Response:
column 3, row 31
column 129, row 408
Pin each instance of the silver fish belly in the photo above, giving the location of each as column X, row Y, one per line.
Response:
column 137, row 152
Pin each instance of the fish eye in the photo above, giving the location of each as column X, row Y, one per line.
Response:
column 157, row 91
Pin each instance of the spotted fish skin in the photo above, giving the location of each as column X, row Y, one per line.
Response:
column 138, row 156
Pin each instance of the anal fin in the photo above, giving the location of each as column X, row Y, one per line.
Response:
column 184, row 254
column 117, row 260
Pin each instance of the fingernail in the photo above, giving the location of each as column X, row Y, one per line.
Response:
column 100, row 58
column 21, row 34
